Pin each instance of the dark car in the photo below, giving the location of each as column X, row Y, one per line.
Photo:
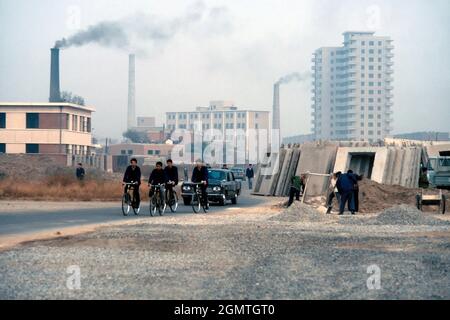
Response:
column 239, row 173
column 222, row 187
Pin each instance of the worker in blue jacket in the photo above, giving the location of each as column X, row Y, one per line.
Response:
column 345, row 185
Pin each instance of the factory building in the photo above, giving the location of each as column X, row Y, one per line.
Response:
column 225, row 117
column 219, row 115
column 45, row 128
column 352, row 95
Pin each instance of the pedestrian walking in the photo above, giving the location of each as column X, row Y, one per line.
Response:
column 250, row 174
column 80, row 173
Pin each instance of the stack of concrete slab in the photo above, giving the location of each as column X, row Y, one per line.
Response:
column 268, row 173
column 387, row 165
column 393, row 164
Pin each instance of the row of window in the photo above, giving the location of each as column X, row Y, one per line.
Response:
column 32, row 121
column 149, row 152
column 217, row 115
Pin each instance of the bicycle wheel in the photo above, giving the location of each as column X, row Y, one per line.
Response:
column 135, row 210
column 161, row 206
column 153, row 205
column 173, row 202
column 205, row 208
column 196, row 205
column 125, row 205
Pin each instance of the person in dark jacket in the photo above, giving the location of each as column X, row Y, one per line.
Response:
column 80, row 172
column 133, row 174
column 157, row 177
column 345, row 185
column 355, row 198
column 250, row 174
column 200, row 175
column 172, row 176
column 296, row 188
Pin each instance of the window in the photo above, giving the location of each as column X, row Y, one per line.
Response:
column 88, row 125
column 157, row 152
column 2, row 120
column 32, row 121
column 150, row 152
column 130, row 152
column 2, row 148
column 371, row 43
column 74, row 123
column 123, row 152
column 32, row 148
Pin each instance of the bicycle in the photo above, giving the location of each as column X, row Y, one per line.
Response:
column 129, row 200
column 198, row 202
column 157, row 202
column 172, row 198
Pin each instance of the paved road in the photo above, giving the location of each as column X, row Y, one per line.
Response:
column 39, row 221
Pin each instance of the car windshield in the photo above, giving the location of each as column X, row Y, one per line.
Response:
column 237, row 170
column 217, row 175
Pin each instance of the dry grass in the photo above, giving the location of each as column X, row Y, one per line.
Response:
column 64, row 188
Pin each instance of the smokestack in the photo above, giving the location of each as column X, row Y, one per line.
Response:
column 276, row 109
column 131, row 118
column 55, row 95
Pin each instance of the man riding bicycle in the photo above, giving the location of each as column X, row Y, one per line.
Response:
column 157, row 177
column 172, row 177
column 200, row 175
column 133, row 174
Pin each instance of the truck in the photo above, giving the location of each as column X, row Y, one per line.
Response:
column 439, row 172
column 222, row 187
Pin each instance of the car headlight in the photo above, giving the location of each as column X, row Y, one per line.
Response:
column 217, row 189
column 186, row 188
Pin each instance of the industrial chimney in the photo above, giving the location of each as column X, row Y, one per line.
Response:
column 55, row 95
column 131, row 117
column 276, row 111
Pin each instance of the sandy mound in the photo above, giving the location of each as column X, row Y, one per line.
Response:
column 406, row 215
column 299, row 212
column 376, row 197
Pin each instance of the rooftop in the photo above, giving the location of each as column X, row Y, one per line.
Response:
column 46, row 104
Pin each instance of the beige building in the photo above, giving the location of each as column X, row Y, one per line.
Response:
column 225, row 117
column 45, row 128
column 141, row 149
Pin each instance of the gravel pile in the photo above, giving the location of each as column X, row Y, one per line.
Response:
column 406, row 215
column 300, row 212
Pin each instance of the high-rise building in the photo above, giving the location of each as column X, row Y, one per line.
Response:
column 352, row 95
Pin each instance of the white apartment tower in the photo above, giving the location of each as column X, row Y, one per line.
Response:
column 352, row 95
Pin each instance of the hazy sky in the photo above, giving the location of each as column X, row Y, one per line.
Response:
column 234, row 51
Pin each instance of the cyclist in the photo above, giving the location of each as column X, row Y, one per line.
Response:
column 172, row 177
column 200, row 175
column 133, row 174
column 158, row 176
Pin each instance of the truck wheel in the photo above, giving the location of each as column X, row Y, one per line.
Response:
column 187, row 201
column 221, row 202
column 234, row 200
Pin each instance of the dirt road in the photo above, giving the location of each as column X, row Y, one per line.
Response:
column 237, row 253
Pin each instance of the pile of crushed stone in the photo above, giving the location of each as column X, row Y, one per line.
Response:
column 406, row 215
column 299, row 212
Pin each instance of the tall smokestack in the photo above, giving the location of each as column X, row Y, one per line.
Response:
column 131, row 119
column 55, row 95
column 276, row 109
